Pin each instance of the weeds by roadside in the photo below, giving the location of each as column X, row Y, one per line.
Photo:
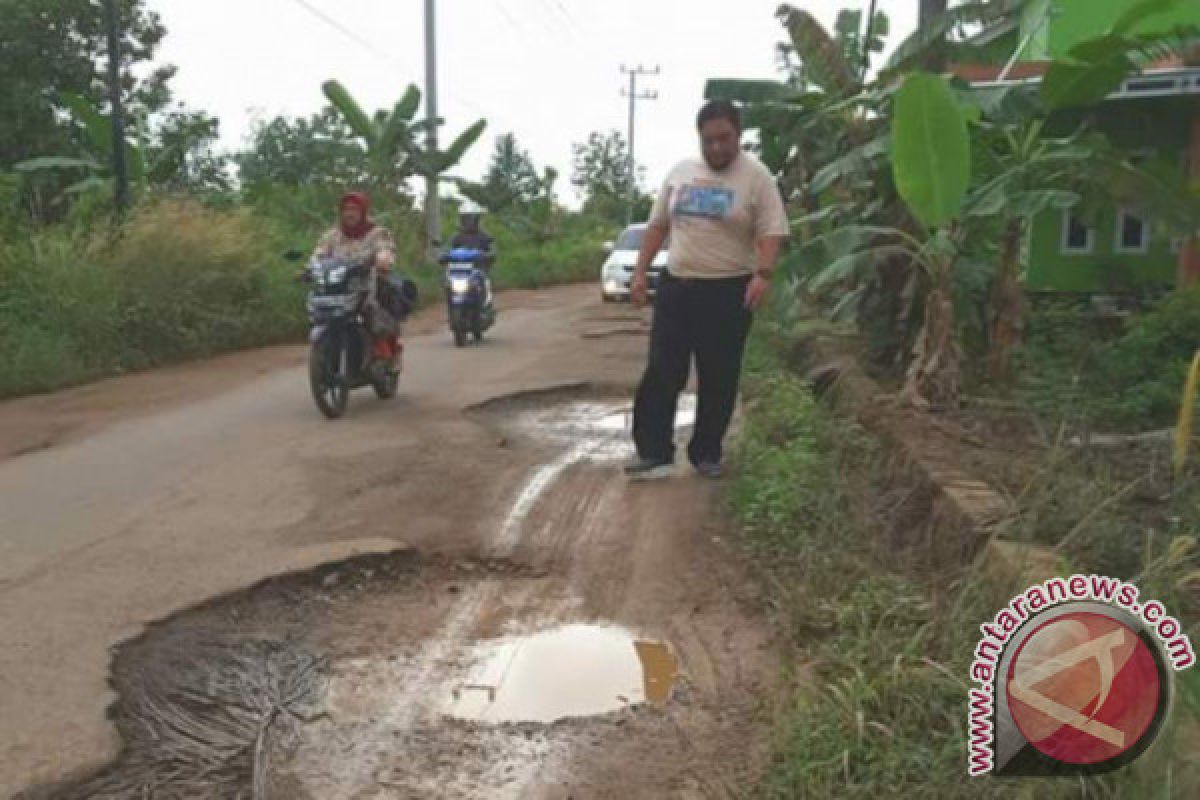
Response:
column 183, row 281
column 882, row 648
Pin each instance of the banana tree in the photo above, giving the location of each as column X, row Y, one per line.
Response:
column 393, row 140
column 931, row 162
column 1020, row 172
column 93, row 165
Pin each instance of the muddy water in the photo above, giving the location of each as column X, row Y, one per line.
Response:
column 589, row 431
column 572, row 671
column 603, row 429
column 420, row 701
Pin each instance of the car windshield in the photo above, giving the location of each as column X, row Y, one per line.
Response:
column 631, row 239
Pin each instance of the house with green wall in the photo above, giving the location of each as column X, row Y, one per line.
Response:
column 1154, row 116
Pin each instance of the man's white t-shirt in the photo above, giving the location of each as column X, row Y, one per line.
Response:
column 716, row 217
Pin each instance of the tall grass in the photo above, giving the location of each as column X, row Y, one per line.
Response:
column 1187, row 410
column 879, row 709
column 1127, row 382
column 181, row 280
column 177, row 281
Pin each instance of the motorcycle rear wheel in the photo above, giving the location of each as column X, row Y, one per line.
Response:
column 385, row 388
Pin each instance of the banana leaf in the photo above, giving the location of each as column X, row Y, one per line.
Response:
column 358, row 120
column 1140, row 12
column 395, row 128
column 1096, row 67
column 747, row 91
column 931, row 149
column 458, row 148
column 823, row 59
column 97, row 126
column 88, row 184
column 852, row 163
column 56, row 162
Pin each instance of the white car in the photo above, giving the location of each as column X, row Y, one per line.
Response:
column 617, row 272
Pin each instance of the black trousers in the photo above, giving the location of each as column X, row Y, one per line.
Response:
column 708, row 320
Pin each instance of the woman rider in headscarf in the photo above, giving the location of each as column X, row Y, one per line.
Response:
column 357, row 238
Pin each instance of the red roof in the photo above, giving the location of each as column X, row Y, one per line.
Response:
column 984, row 73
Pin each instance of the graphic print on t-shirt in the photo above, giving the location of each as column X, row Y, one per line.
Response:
column 710, row 202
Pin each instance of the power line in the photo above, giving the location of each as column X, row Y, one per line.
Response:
column 566, row 15
column 342, row 29
column 509, row 18
column 366, row 44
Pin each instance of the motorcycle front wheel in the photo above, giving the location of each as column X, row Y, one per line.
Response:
column 458, row 325
column 329, row 389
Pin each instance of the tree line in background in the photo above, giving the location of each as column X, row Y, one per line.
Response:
column 195, row 267
column 56, row 141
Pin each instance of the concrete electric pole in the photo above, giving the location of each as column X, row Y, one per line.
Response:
column 633, row 95
column 433, row 210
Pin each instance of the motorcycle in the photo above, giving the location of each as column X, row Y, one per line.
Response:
column 343, row 353
column 469, row 306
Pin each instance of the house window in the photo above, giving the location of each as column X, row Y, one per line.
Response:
column 1133, row 233
column 1077, row 237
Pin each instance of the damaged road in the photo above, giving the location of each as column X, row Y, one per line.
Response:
column 472, row 601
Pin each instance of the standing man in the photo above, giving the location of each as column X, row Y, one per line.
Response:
column 727, row 222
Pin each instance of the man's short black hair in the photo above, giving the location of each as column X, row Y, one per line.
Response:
column 719, row 109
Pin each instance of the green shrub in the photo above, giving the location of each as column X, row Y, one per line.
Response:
column 179, row 281
column 1070, row 370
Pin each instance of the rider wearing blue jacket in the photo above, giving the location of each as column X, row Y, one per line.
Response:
column 470, row 235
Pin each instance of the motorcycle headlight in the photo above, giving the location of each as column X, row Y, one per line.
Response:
column 335, row 275
column 460, row 284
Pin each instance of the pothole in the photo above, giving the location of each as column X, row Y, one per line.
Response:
column 571, row 671
column 210, row 699
column 587, row 430
column 597, row 430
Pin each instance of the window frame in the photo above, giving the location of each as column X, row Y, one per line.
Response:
column 1119, row 246
column 1064, row 242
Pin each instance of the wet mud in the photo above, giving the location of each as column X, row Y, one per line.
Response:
column 569, row 646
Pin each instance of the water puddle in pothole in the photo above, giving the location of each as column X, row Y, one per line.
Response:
column 597, row 430
column 572, row 671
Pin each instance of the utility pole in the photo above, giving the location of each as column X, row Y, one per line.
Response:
column 927, row 11
column 433, row 205
column 120, row 172
column 866, row 48
column 633, row 95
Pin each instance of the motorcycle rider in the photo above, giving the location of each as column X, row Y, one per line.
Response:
column 356, row 238
column 470, row 235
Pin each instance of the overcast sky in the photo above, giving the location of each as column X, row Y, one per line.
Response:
column 547, row 70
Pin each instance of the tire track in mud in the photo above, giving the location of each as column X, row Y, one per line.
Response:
column 434, row 674
column 395, row 652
